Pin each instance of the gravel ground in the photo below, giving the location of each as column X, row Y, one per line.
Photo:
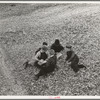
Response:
column 24, row 27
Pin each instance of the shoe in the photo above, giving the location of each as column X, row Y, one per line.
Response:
column 26, row 64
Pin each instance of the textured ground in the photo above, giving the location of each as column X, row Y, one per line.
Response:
column 23, row 28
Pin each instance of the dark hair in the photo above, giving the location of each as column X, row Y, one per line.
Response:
column 57, row 41
column 44, row 48
column 44, row 43
column 69, row 47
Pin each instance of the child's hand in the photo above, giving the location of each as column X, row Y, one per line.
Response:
column 68, row 63
column 41, row 62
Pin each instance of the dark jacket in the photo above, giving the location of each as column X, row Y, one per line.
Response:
column 57, row 47
column 48, row 67
column 51, row 63
column 43, row 56
column 71, row 56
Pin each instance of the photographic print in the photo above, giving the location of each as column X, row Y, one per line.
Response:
column 50, row 49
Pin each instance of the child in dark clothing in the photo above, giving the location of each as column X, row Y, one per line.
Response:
column 73, row 59
column 49, row 66
column 57, row 47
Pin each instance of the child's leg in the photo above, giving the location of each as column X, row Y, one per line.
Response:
column 42, row 72
column 37, row 65
column 26, row 64
column 74, row 66
column 81, row 66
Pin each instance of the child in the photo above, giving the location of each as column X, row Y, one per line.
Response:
column 49, row 66
column 57, row 47
column 73, row 59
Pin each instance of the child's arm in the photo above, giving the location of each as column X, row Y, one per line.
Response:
column 37, row 55
column 73, row 54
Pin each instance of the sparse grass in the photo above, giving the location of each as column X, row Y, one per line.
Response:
column 78, row 26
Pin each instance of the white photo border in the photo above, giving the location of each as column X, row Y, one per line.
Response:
column 50, row 97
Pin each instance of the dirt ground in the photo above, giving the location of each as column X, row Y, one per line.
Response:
column 23, row 28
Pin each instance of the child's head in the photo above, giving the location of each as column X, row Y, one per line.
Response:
column 57, row 41
column 44, row 49
column 51, row 52
column 44, row 43
column 69, row 47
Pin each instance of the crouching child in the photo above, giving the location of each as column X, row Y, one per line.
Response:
column 41, row 57
column 73, row 59
column 57, row 47
column 49, row 66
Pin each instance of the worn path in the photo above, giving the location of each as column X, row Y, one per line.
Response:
column 6, row 68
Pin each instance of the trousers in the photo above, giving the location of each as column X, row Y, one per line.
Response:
column 74, row 64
